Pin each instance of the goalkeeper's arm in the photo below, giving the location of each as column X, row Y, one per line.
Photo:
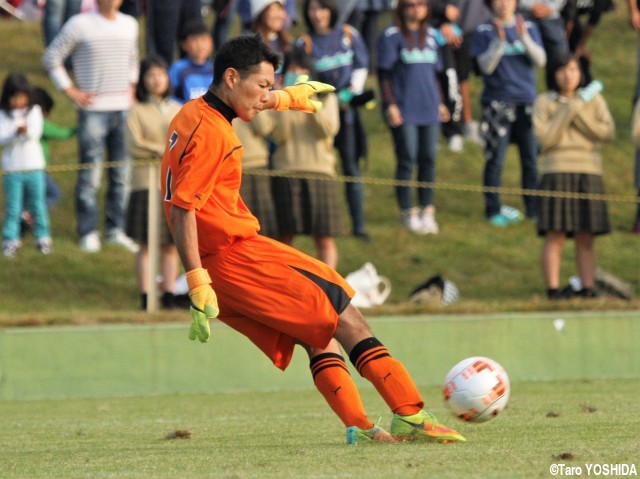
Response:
column 204, row 303
column 299, row 96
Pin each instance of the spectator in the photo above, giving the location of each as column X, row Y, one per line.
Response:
column 547, row 16
column 224, row 10
column 408, row 63
column 635, row 133
column 103, row 46
column 191, row 76
column 255, row 189
column 570, row 124
column 146, row 129
column 634, row 20
column 341, row 59
column 507, row 50
column 307, row 206
column 50, row 131
column 55, row 14
column 369, row 13
column 579, row 33
column 165, row 21
column 473, row 13
column 269, row 20
column 21, row 124
column 444, row 15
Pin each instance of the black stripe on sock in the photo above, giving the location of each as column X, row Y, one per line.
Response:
column 362, row 347
column 332, row 364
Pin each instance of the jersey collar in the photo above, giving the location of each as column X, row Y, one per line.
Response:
column 217, row 104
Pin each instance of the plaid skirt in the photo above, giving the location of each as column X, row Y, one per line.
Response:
column 138, row 219
column 307, row 206
column 571, row 215
column 255, row 191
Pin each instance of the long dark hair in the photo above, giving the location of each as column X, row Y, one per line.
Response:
column 401, row 22
column 142, row 94
column 283, row 35
column 561, row 60
column 13, row 84
column 330, row 4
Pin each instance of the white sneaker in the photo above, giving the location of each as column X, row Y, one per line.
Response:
column 118, row 238
column 45, row 245
column 456, row 143
column 411, row 220
column 10, row 248
column 428, row 221
column 472, row 133
column 90, row 243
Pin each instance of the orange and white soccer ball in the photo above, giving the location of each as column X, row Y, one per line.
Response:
column 476, row 389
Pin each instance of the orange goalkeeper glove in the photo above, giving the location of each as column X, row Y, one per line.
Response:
column 297, row 97
column 204, row 304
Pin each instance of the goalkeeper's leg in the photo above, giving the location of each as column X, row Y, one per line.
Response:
column 390, row 378
column 331, row 377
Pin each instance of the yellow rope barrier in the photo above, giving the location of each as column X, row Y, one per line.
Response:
column 373, row 181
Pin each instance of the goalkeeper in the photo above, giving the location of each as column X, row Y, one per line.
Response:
column 273, row 294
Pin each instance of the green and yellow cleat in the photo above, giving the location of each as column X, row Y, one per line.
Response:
column 422, row 426
column 356, row 435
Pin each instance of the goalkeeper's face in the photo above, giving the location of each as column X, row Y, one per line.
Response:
column 248, row 95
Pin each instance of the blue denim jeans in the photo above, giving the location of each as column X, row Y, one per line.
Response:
column 25, row 190
column 56, row 13
column 415, row 145
column 98, row 131
column 519, row 131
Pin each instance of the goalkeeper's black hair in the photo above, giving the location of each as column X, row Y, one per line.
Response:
column 245, row 53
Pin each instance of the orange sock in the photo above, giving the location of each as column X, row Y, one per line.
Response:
column 389, row 377
column 332, row 378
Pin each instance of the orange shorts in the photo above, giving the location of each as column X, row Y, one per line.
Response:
column 275, row 295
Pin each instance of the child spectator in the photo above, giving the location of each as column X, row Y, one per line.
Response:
column 146, row 133
column 21, row 125
column 191, row 76
column 307, row 206
column 570, row 124
column 341, row 59
column 507, row 50
column 51, row 131
column 635, row 133
column 408, row 63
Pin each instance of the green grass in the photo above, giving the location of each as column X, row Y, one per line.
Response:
column 294, row 434
column 495, row 269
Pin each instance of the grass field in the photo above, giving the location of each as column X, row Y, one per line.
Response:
column 246, row 419
column 294, row 435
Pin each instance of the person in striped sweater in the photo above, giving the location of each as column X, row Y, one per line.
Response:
column 103, row 47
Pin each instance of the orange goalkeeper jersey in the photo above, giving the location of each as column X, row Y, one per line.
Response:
column 202, row 170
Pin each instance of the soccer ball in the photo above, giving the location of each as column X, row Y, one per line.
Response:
column 476, row 389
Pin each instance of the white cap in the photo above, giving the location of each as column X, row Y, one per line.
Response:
column 257, row 6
